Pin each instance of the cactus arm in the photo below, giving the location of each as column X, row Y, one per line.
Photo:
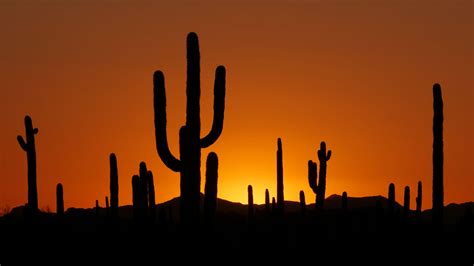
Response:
column 159, row 104
column 22, row 143
column 219, row 106
column 35, row 131
column 329, row 155
column 312, row 176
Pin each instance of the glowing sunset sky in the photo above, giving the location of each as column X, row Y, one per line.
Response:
column 356, row 74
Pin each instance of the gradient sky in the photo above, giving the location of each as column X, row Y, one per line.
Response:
column 356, row 74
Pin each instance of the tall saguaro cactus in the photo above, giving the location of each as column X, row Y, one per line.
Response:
column 319, row 188
column 29, row 147
column 59, row 200
column 210, row 190
column 438, row 157
column 114, row 186
column 419, row 199
column 190, row 142
column 280, row 193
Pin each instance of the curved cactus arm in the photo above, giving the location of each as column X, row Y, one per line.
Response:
column 159, row 104
column 219, row 106
column 329, row 155
column 22, row 143
column 35, row 131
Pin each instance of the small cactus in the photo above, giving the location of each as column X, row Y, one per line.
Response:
column 267, row 201
column 59, row 200
column 151, row 197
column 210, row 190
column 302, row 202
column 136, row 197
column 107, row 207
column 406, row 201
column 418, row 200
column 250, row 204
column 391, row 199
column 344, row 201
column 97, row 208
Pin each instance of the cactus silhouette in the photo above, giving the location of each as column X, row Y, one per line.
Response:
column 210, row 190
column 406, row 201
column 107, row 207
column 418, row 200
column 267, row 201
column 250, row 203
column 344, row 201
column 280, row 193
column 273, row 205
column 136, row 197
column 143, row 189
column 302, row 202
column 29, row 147
column 151, row 197
column 438, row 156
column 114, row 186
column 319, row 188
column 323, row 158
column 59, row 200
column 190, row 143
column 97, row 208
column 391, row 199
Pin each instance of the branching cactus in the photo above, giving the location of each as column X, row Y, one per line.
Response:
column 190, row 141
column 29, row 147
column 319, row 188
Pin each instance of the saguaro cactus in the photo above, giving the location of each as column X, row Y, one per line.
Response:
column 114, row 186
column 29, row 147
column 302, row 202
column 391, row 199
column 143, row 188
column 406, row 201
column 189, row 164
column 280, row 193
column 250, row 203
column 210, row 190
column 418, row 200
column 323, row 158
column 344, row 201
column 319, row 188
column 59, row 200
column 267, row 201
column 438, row 157
column 151, row 197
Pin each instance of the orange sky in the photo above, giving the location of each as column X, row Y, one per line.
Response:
column 357, row 74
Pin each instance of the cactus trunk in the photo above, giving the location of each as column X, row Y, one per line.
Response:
column 344, row 201
column 151, row 197
column 418, row 200
column 280, row 193
column 114, row 186
column 250, row 204
column 302, row 202
column 391, row 199
column 406, row 201
column 267, row 201
column 438, row 193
